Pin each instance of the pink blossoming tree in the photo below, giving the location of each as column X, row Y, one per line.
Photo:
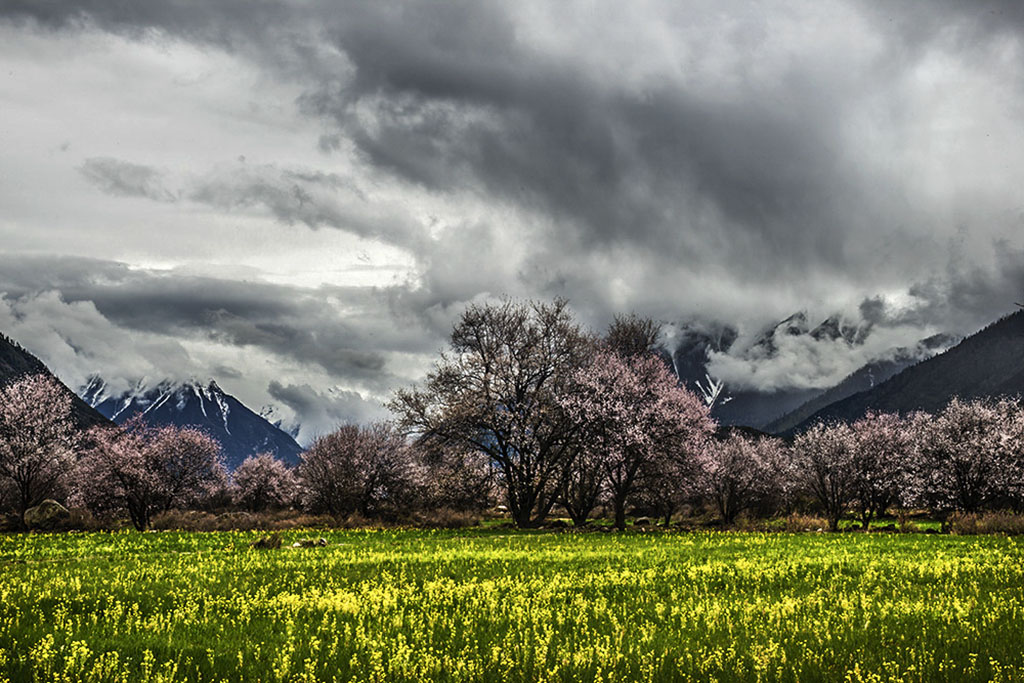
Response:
column 359, row 469
column 628, row 411
column 37, row 438
column 823, row 459
column 741, row 472
column 263, row 481
column 143, row 470
column 882, row 463
column 965, row 454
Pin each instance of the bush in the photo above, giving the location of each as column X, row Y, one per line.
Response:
column 184, row 520
column 746, row 522
column 80, row 519
column 1001, row 522
column 908, row 526
column 11, row 522
column 196, row 520
column 802, row 522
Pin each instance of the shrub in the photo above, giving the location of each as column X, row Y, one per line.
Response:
column 197, row 520
column 802, row 522
column 183, row 520
column 1001, row 522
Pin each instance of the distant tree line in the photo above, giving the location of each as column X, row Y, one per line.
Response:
column 529, row 413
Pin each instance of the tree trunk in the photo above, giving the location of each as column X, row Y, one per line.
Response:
column 578, row 518
column 866, row 517
column 727, row 511
column 24, row 498
column 620, row 512
column 523, row 518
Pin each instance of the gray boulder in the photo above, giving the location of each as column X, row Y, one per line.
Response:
column 47, row 516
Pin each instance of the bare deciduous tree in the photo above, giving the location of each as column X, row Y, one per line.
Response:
column 631, row 335
column 496, row 392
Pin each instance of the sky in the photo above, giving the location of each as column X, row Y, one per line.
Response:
column 298, row 199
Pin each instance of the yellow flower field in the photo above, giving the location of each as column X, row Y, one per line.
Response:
column 511, row 606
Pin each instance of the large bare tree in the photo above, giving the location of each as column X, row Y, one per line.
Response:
column 632, row 335
column 496, row 391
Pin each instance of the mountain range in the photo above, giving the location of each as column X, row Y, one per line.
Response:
column 240, row 431
column 693, row 343
column 867, row 377
column 988, row 363
column 923, row 376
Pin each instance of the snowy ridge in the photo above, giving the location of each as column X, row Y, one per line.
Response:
column 240, row 431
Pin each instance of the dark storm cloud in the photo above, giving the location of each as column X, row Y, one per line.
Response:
column 450, row 108
column 206, row 21
column 729, row 166
column 962, row 297
column 448, row 96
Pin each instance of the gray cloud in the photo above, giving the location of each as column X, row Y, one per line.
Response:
column 324, row 411
column 310, row 197
column 75, row 340
column 290, row 322
column 734, row 164
column 125, row 179
column 313, row 198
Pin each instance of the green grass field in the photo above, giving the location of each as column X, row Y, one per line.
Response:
column 499, row 605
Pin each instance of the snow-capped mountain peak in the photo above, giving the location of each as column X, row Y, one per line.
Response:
column 240, row 431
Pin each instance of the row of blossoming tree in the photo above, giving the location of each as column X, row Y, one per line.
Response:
column 530, row 412
column 575, row 422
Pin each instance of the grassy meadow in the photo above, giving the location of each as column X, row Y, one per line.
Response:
column 501, row 605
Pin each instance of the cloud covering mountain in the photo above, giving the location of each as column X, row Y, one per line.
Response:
column 299, row 199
